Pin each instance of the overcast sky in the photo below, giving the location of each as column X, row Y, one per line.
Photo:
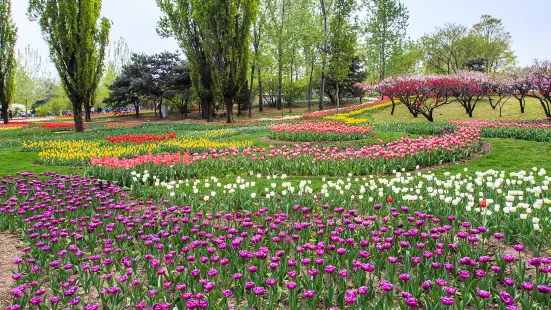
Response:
column 528, row 21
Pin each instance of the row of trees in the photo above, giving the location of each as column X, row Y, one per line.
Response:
column 423, row 94
column 276, row 50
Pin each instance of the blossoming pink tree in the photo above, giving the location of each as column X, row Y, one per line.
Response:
column 520, row 84
column 421, row 95
column 539, row 76
column 469, row 89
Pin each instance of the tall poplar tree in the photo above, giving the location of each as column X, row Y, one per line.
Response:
column 179, row 23
column 342, row 42
column 226, row 26
column 77, row 37
column 386, row 25
column 8, row 37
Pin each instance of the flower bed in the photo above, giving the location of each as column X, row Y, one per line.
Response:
column 123, row 124
column 59, row 126
column 108, row 252
column 79, row 152
column 364, row 107
column 140, row 138
column 319, row 131
column 511, row 132
column 533, row 130
column 306, row 159
column 533, row 124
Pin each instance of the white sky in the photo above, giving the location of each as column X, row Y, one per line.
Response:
column 528, row 21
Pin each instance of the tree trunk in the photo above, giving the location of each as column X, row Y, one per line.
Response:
column 492, row 103
column 325, row 51
column 88, row 109
column 338, row 99
column 546, row 105
column 522, row 106
column 393, row 108
column 161, row 108
column 322, row 87
column 228, row 101
column 260, row 96
column 429, row 116
column 280, row 87
column 251, row 92
column 210, row 109
column 137, row 107
column 77, row 113
column 5, row 114
column 310, row 86
column 155, row 109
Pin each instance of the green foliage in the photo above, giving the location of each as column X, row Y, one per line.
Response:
column 496, row 53
column 385, row 34
column 32, row 79
column 342, row 39
column 485, row 47
column 177, row 21
column 107, row 80
column 8, row 38
column 77, row 39
column 226, row 28
column 58, row 103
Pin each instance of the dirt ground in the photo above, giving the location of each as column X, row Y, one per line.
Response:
column 8, row 252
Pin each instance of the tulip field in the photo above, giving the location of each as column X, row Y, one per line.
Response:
column 323, row 210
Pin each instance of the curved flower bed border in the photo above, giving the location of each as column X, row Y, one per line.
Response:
column 318, row 131
column 140, row 138
column 533, row 130
column 53, row 125
column 371, row 105
column 306, row 159
column 533, row 124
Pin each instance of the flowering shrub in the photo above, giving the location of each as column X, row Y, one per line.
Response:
column 140, row 138
column 59, row 126
column 310, row 131
column 406, row 153
column 106, row 251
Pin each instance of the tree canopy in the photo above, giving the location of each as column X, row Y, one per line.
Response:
column 77, row 37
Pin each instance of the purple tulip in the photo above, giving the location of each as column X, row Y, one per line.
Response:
column 483, row 294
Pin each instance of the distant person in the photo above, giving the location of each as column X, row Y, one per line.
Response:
column 10, row 115
column 106, row 110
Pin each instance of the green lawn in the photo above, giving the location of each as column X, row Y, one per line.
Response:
column 455, row 111
column 12, row 161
